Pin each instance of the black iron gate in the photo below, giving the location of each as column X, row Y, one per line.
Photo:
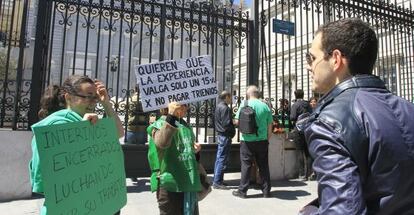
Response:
column 106, row 38
column 14, row 63
column 283, row 64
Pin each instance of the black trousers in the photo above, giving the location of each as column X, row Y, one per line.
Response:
column 259, row 151
column 170, row 203
column 305, row 163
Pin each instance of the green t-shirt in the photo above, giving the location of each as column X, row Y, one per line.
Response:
column 263, row 120
column 176, row 166
column 58, row 117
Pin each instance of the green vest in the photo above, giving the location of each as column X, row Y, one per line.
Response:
column 176, row 166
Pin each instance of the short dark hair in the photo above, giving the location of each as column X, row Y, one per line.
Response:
column 313, row 98
column 355, row 39
column 299, row 94
column 73, row 83
column 223, row 95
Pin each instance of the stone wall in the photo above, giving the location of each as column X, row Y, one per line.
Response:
column 15, row 153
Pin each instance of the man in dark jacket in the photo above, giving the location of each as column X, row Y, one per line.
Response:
column 361, row 136
column 298, row 108
column 225, row 132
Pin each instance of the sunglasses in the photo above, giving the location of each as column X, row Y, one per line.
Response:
column 309, row 58
column 88, row 97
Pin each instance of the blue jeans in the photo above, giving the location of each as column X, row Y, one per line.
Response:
column 223, row 151
column 138, row 137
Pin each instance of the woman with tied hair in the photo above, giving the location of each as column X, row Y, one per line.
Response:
column 73, row 102
column 52, row 101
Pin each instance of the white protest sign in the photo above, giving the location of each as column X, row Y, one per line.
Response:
column 184, row 80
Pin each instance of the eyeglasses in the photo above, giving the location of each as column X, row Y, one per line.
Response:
column 88, row 97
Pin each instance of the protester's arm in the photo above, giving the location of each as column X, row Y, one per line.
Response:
column 339, row 183
column 164, row 135
column 269, row 131
column 226, row 120
column 197, row 147
column 293, row 112
column 109, row 110
column 35, row 173
column 269, row 119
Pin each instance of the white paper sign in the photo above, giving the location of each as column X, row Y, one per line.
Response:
column 184, row 80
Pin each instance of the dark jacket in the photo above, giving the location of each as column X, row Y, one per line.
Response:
column 299, row 107
column 362, row 140
column 223, row 120
column 138, row 120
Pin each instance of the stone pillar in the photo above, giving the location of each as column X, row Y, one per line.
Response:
column 282, row 163
column 15, row 153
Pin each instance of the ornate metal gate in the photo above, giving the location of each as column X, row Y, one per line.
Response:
column 104, row 39
column 14, row 63
column 282, row 62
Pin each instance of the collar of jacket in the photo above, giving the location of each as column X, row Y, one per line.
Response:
column 221, row 101
column 358, row 81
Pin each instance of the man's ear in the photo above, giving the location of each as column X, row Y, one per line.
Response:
column 338, row 60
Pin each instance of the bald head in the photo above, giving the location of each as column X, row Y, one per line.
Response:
column 253, row 92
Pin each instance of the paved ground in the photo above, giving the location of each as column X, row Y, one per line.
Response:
column 287, row 198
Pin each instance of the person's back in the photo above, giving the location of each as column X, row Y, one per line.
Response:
column 299, row 107
column 254, row 146
column 137, row 118
column 138, row 121
column 263, row 119
column 388, row 122
column 223, row 120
